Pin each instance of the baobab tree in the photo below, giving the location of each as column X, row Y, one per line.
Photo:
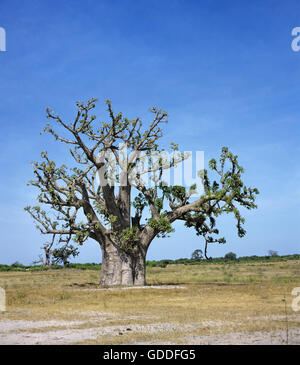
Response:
column 125, row 217
column 59, row 254
column 47, row 247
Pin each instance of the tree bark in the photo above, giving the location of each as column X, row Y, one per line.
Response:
column 122, row 268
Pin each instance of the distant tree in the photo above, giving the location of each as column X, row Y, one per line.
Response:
column 16, row 264
column 230, row 256
column 62, row 254
column 272, row 253
column 46, row 261
column 197, row 255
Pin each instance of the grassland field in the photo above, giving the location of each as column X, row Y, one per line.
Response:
column 217, row 303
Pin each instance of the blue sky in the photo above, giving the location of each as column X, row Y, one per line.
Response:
column 224, row 71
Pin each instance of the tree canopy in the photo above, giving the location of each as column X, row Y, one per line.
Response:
column 84, row 203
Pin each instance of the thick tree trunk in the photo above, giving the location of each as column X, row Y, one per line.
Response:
column 121, row 268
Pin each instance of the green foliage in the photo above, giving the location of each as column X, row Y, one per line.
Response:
column 224, row 196
column 176, row 193
column 139, row 202
column 62, row 254
column 81, row 237
column 129, row 238
column 161, row 225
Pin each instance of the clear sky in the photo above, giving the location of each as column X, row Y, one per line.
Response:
column 223, row 70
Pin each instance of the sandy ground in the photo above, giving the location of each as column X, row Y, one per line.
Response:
column 56, row 332
column 92, row 325
column 254, row 338
column 135, row 287
column 71, row 335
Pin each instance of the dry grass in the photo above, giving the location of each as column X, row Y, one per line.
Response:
column 216, row 299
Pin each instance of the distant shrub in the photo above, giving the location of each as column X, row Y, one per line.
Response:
column 17, row 264
column 273, row 253
column 230, row 256
column 38, row 268
column 197, row 255
column 5, row 268
column 162, row 263
column 87, row 266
